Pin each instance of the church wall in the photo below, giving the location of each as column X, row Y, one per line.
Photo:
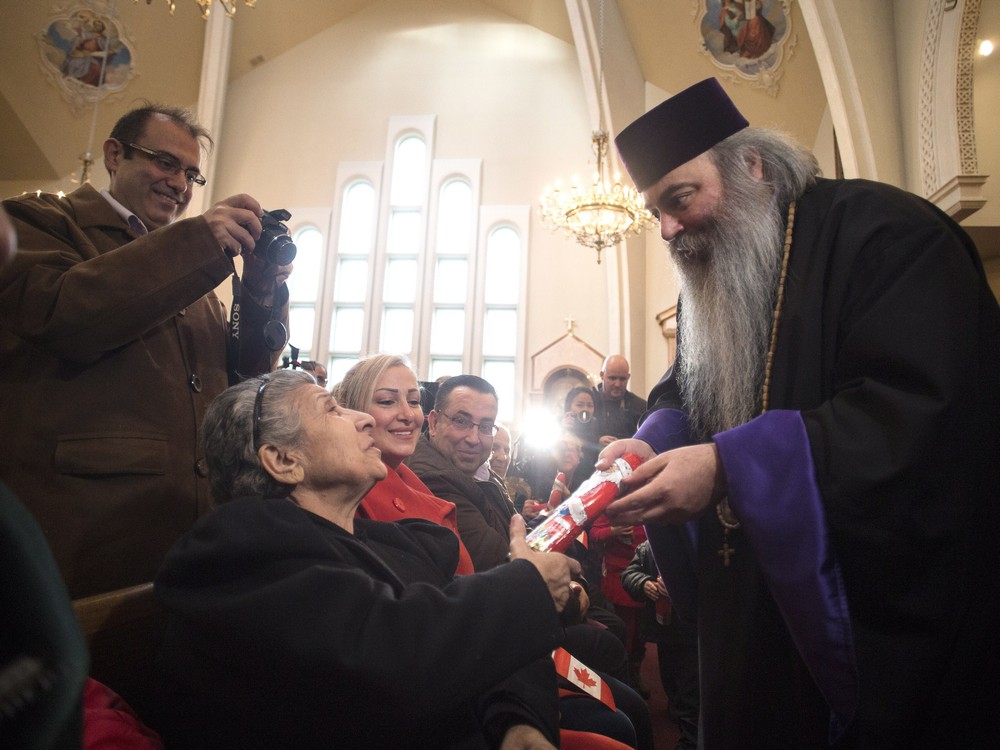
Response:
column 986, row 98
column 502, row 91
column 32, row 103
column 868, row 33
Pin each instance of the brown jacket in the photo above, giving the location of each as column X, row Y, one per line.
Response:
column 484, row 508
column 111, row 348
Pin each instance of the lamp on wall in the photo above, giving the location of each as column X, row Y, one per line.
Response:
column 206, row 6
column 605, row 213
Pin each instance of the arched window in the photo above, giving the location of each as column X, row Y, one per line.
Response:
column 419, row 267
column 454, row 250
column 500, row 316
column 355, row 246
column 303, row 287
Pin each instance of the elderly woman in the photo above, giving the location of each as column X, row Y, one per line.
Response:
column 293, row 624
column 385, row 386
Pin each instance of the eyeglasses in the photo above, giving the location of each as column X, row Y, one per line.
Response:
column 486, row 429
column 168, row 164
column 258, row 402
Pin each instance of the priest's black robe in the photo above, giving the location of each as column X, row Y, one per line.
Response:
column 858, row 607
column 287, row 631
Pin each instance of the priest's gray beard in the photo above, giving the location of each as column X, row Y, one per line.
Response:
column 728, row 277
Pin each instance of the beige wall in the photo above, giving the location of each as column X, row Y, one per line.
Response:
column 503, row 91
column 166, row 71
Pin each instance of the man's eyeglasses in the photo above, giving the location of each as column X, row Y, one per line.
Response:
column 169, row 164
column 258, row 402
column 462, row 422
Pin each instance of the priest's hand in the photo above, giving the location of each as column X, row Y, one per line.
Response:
column 556, row 569
column 673, row 487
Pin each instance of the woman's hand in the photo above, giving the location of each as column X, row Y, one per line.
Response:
column 532, row 508
column 525, row 737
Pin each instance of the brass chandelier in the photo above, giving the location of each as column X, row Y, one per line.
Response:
column 600, row 216
column 206, row 6
column 605, row 213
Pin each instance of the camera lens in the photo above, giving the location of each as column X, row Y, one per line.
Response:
column 280, row 250
column 583, row 417
column 274, row 244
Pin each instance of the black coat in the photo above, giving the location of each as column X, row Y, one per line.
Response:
column 288, row 631
column 888, row 364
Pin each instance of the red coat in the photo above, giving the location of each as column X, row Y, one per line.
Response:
column 402, row 495
column 618, row 553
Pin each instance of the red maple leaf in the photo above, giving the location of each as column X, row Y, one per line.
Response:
column 583, row 677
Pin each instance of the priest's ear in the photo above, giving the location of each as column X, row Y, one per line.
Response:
column 283, row 465
column 755, row 165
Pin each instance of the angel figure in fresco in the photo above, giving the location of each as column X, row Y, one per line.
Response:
column 85, row 57
column 732, row 16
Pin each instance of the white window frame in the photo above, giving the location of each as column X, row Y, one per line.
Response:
column 486, row 219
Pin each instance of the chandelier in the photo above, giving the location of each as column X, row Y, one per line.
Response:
column 206, row 6
column 600, row 216
column 605, row 213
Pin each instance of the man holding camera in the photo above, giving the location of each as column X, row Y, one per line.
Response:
column 113, row 343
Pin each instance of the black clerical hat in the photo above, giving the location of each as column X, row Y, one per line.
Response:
column 676, row 131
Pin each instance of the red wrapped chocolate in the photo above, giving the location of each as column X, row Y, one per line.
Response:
column 564, row 524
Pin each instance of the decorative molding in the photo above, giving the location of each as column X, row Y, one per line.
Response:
column 81, row 42
column 667, row 321
column 565, row 353
column 947, row 136
column 964, row 80
column 928, row 64
column 961, row 196
column 738, row 54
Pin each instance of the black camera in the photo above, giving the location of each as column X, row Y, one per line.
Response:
column 274, row 244
column 584, row 416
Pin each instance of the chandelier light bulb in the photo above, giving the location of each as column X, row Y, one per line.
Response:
column 600, row 216
column 229, row 6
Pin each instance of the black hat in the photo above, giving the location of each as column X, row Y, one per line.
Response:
column 676, row 131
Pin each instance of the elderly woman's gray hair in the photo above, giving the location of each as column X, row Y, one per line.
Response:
column 227, row 434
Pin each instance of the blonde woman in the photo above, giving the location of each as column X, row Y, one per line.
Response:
column 386, row 387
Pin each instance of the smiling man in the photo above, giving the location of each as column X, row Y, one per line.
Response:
column 112, row 344
column 459, row 440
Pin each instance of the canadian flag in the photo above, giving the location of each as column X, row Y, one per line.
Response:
column 583, row 677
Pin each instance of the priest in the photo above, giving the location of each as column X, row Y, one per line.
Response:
column 822, row 474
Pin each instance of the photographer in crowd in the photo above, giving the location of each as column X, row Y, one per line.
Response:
column 113, row 344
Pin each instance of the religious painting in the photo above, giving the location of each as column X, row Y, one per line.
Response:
column 747, row 39
column 86, row 52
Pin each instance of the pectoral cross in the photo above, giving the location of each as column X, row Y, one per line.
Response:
column 726, row 550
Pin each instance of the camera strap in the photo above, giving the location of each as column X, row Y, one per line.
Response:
column 275, row 333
